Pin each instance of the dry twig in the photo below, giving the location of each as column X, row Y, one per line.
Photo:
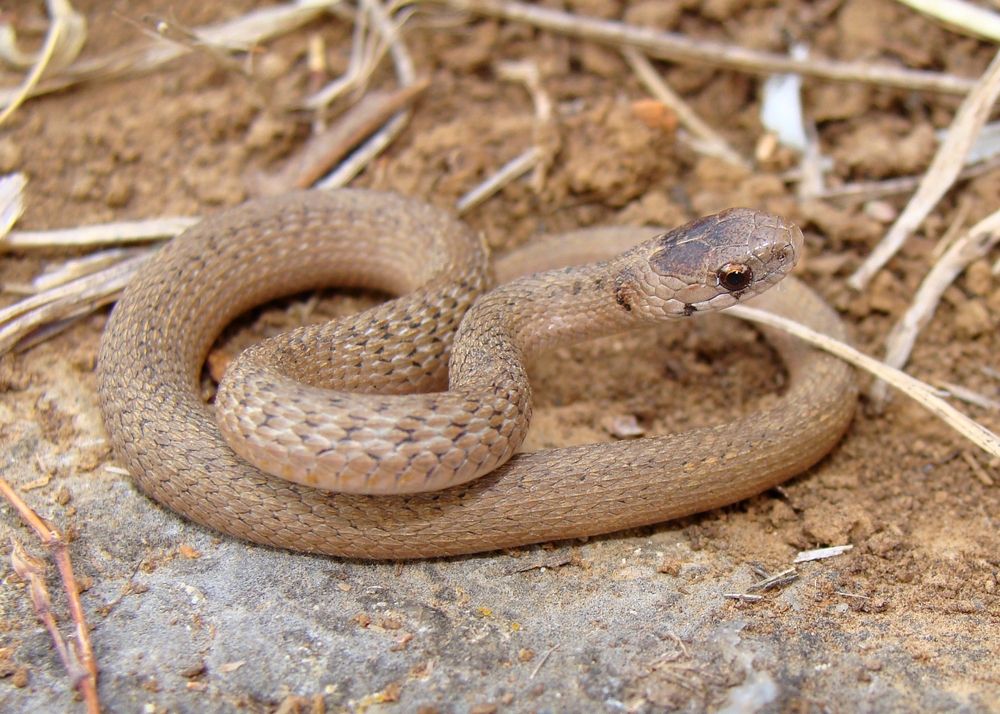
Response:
column 546, row 137
column 743, row 597
column 405, row 75
column 78, row 658
column 867, row 190
column 154, row 229
column 11, row 202
column 970, row 396
column 806, row 556
column 940, row 175
column 680, row 48
column 242, row 32
column 518, row 166
column 537, row 157
column 542, row 661
column 71, row 269
column 709, row 141
column 63, row 42
column 73, row 299
column 324, row 150
column 367, row 50
column 979, row 471
column 770, row 582
column 913, row 388
column 973, row 245
column 969, row 18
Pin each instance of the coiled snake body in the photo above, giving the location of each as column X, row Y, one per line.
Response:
column 379, row 432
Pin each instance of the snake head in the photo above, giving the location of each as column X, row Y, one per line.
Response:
column 713, row 263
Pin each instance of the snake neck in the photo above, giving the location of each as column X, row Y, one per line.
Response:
column 518, row 320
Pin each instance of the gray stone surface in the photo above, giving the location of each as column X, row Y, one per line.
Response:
column 184, row 620
column 187, row 620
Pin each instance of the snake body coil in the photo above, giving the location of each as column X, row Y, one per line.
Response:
column 276, row 407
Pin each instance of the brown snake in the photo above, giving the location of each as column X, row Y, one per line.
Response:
column 156, row 341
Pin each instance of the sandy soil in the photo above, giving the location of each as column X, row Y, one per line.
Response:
column 186, row 620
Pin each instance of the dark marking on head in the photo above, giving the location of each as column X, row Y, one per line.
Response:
column 690, row 245
column 689, row 310
column 624, row 290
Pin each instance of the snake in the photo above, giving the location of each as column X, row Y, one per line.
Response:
column 394, row 433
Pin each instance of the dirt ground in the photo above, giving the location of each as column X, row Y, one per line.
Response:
column 184, row 619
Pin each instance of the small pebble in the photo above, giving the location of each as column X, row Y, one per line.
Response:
column 622, row 426
column 10, row 155
column 601, row 61
column 119, row 192
column 83, row 187
column 972, row 319
column 881, row 211
column 655, row 114
column 194, row 669
column 264, row 131
column 979, row 278
column 20, row 678
column 885, row 294
column 273, row 65
column 653, row 13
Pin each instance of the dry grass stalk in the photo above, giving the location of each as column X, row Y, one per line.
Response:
column 11, row 202
column 367, row 51
column 405, row 74
column 770, row 582
column 940, row 175
column 324, row 150
column 709, row 141
column 964, row 16
column 867, row 190
column 242, row 32
column 78, row 297
column 913, row 388
column 743, row 597
column 173, row 32
column 83, row 295
column 680, row 48
column 971, row 396
column 527, row 73
column 98, row 234
column 78, row 657
column 990, row 372
column 832, row 551
column 546, row 135
column 812, row 169
column 68, row 270
column 538, row 157
column 510, row 171
column 63, row 42
column 977, row 469
column 954, row 229
column 973, row 245
column 368, row 152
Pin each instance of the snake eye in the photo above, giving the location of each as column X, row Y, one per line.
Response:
column 734, row 277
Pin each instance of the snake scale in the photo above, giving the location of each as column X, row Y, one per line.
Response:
column 359, row 405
